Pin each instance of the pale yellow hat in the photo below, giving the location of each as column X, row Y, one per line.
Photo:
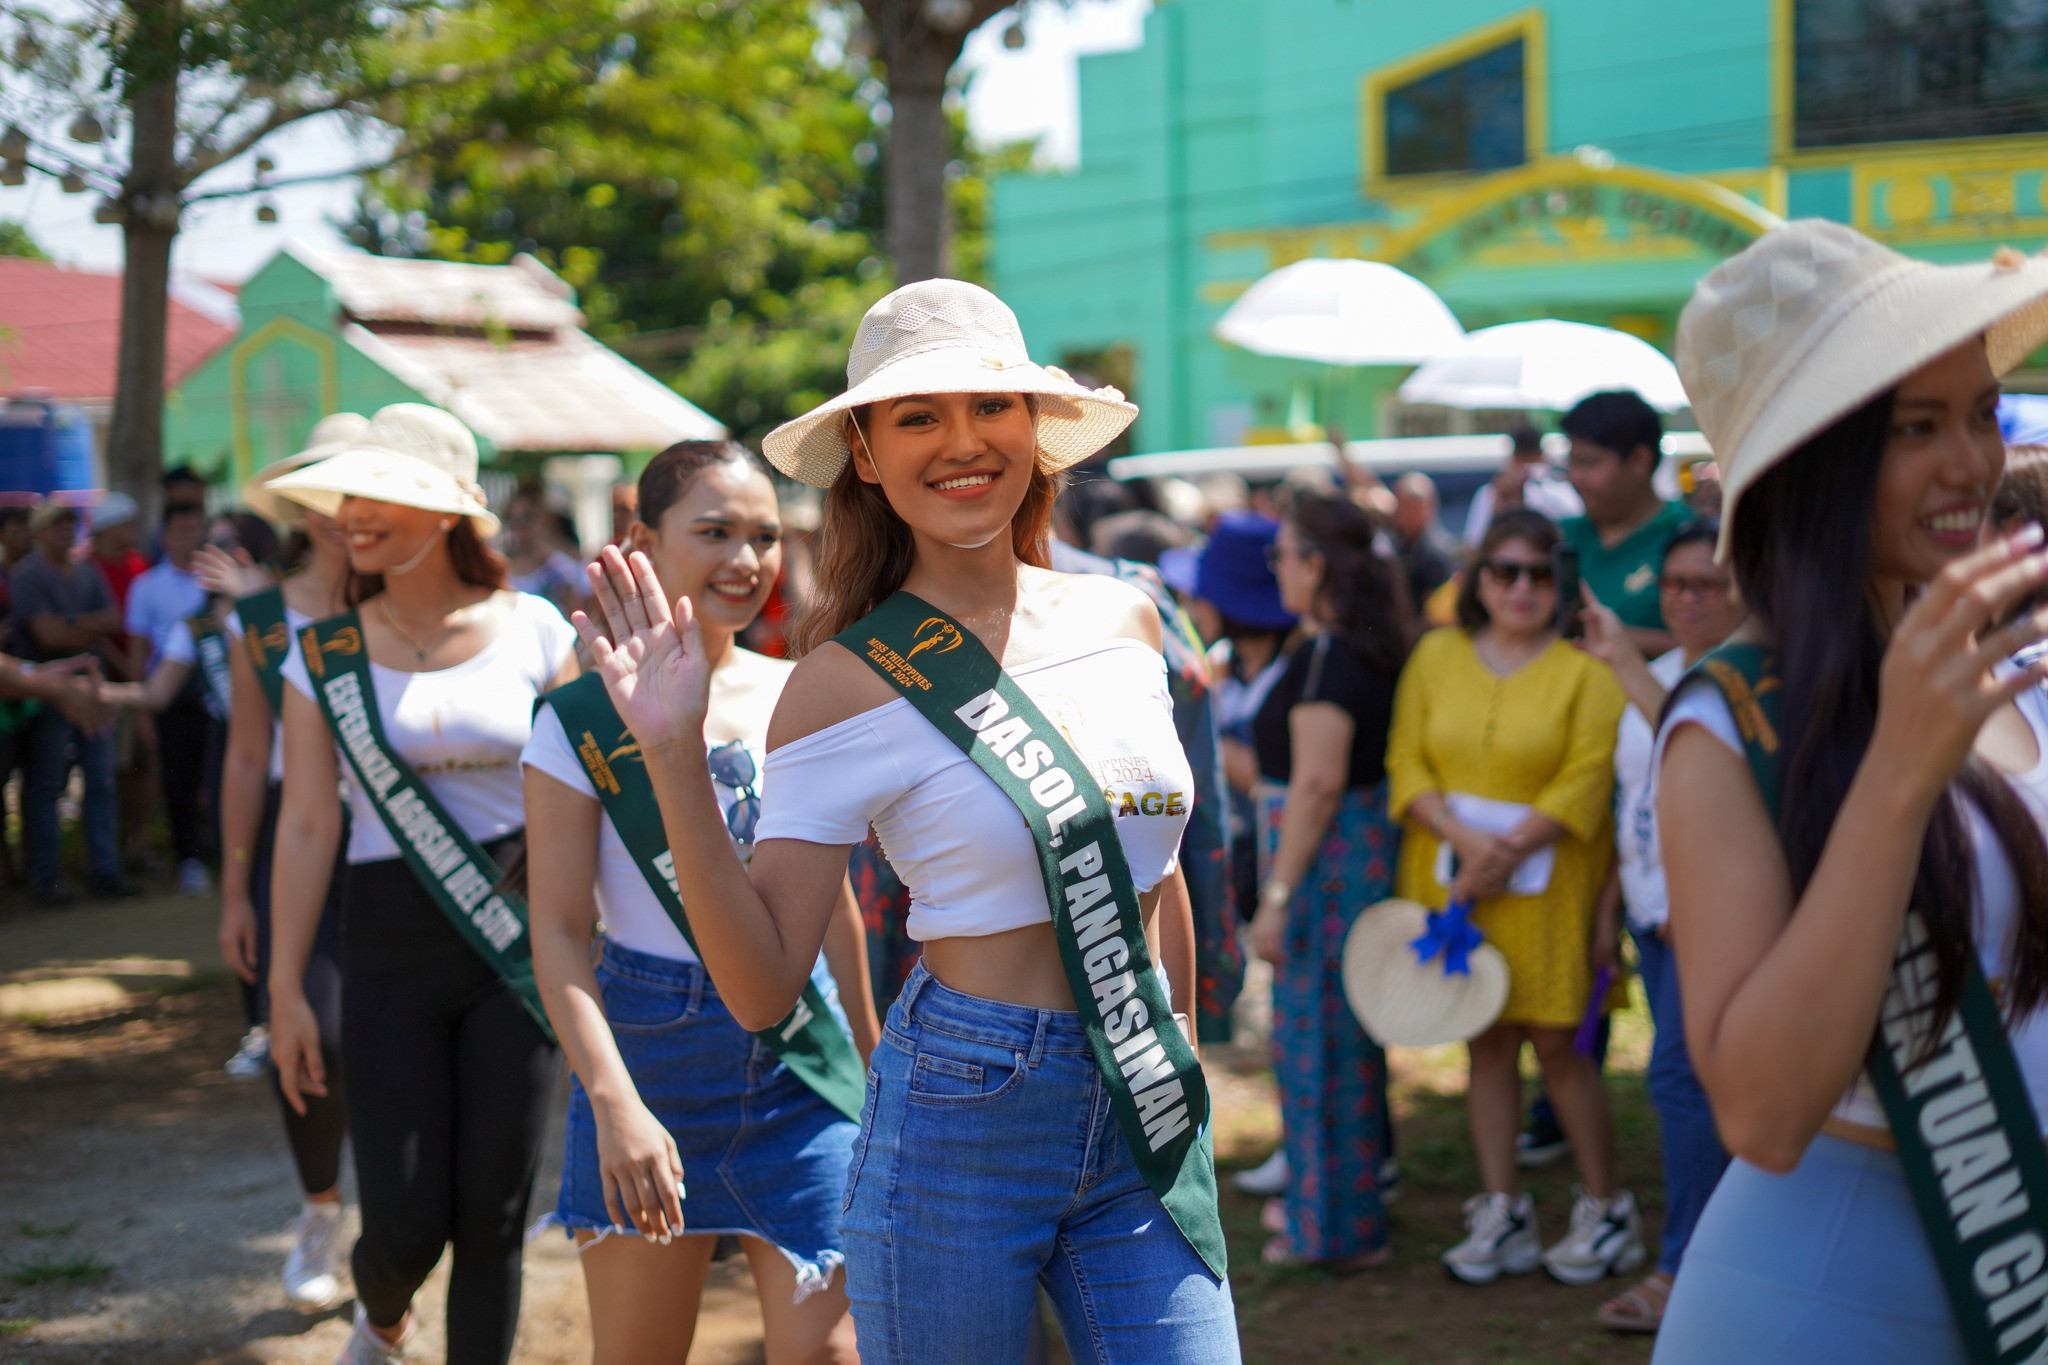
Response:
column 947, row 336
column 1813, row 320
column 411, row 454
column 331, row 435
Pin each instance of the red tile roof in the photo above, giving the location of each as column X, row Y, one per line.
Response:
column 60, row 331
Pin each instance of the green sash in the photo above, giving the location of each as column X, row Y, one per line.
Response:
column 1966, row 1130
column 456, row 874
column 809, row 1041
column 268, row 640
column 1154, row 1081
column 210, row 643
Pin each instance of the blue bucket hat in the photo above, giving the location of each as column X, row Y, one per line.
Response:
column 1231, row 571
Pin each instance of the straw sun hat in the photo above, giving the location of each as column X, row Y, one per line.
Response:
column 1813, row 320
column 947, row 336
column 331, row 435
column 410, row 454
column 1404, row 1002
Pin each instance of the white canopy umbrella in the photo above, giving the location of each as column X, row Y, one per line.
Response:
column 1341, row 313
column 1547, row 365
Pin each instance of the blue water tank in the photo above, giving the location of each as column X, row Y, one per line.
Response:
column 45, row 449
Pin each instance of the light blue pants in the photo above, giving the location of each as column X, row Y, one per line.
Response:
column 990, row 1163
column 1826, row 1263
column 1693, row 1155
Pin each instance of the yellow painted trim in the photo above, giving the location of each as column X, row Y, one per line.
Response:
column 1529, row 25
column 2016, row 145
column 1765, row 185
column 246, row 349
column 1783, row 78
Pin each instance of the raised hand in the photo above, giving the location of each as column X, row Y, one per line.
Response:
column 1940, row 681
column 652, row 662
column 231, row 573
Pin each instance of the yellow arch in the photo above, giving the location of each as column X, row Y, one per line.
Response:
column 246, row 349
column 1568, row 172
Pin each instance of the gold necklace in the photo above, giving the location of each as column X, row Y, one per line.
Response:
column 419, row 651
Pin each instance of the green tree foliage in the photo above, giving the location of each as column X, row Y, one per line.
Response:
column 707, row 173
column 16, row 241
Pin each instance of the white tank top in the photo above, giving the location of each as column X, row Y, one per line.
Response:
column 462, row 728
column 1994, row 915
column 950, row 833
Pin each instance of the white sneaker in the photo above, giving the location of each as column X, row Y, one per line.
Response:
column 365, row 1347
column 1500, row 1239
column 194, row 879
column 1606, row 1239
column 251, row 1057
column 311, row 1272
column 1266, row 1180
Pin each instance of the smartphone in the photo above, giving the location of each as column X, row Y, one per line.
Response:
column 1564, row 560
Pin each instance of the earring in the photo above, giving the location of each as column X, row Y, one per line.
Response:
column 449, row 524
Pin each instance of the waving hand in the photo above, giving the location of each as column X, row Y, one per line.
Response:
column 652, row 662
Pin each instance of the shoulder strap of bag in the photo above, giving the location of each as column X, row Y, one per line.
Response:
column 210, row 643
column 268, row 641
column 1957, row 1104
column 809, row 1041
column 457, row 875
column 1156, row 1086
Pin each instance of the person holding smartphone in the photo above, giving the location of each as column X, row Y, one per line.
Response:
column 1501, row 764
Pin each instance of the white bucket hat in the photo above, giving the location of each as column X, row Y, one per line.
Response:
column 331, row 435
column 410, row 454
column 947, row 336
column 1813, row 320
column 1403, row 1002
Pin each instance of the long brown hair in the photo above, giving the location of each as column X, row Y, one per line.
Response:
column 1360, row 593
column 475, row 563
column 865, row 550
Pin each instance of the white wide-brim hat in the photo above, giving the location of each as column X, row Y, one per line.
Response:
column 1403, row 1002
column 947, row 336
column 332, row 434
column 1813, row 320
column 410, row 454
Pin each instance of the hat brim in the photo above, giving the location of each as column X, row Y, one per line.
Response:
column 1910, row 319
column 1402, row 1002
column 383, row 476
column 256, row 494
column 1074, row 422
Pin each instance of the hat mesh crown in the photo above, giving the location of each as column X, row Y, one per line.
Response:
column 933, row 315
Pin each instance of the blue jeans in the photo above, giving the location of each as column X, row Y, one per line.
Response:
column 1693, row 1155
column 53, row 744
column 990, row 1163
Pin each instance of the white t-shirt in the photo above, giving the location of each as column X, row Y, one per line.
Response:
column 958, row 843
column 1547, row 491
column 1635, row 808
column 1994, row 916
column 462, row 728
column 631, row 915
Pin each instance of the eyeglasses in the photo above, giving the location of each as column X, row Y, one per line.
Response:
column 1505, row 572
column 1685, row 585
column 732, row 766
column 1274, row 554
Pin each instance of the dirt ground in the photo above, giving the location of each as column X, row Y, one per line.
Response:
column 146, row 1199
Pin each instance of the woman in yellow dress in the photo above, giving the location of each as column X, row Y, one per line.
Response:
column 1501, row 767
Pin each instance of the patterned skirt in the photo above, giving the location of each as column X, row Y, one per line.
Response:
column 1332, row 1077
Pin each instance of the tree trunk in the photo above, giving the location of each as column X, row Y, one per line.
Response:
column 150, row 205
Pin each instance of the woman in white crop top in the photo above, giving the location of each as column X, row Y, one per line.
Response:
column 677, row 1133
column 1873, row 672
column 989, row 1161
column 449, row 1076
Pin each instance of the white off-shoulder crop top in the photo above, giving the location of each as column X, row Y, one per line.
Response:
column 955, row 839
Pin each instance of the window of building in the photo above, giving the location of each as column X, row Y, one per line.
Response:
column 1468, row 116
column 1912, row 70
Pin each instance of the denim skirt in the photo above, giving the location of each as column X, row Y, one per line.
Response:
column 762, row 1154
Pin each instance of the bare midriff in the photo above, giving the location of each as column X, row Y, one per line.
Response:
column 1016, row 966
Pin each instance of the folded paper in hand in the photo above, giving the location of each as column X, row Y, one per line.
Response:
column 1531, row 877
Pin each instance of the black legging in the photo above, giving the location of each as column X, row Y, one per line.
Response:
column 450, row 1083
column 317, row 1134
column 185, row 745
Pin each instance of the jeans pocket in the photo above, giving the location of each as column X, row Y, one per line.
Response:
column 936, row 1078
column 635, row 1006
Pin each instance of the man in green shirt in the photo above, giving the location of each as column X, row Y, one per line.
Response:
column 1617, row 440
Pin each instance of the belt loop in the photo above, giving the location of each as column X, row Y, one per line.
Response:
column 697, row 980
column 911, row 990
column 1038, row 1039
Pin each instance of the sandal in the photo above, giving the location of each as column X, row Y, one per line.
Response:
column 1273, row 1216
column 1280, row 1255
column 1639, row 1308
